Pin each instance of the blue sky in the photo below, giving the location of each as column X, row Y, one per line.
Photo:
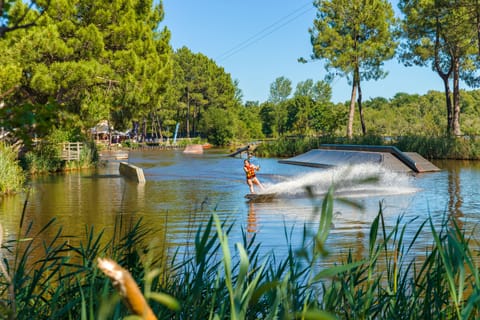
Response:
column 257, row 41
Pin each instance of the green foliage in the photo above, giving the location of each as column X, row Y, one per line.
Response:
column 321, row 91
column 57, row 135
column 12, row 177
column 64, row 282
column 286, row 147
column 352, row 35
column 354, row 38
column 439, row 34
column 79, row 63
column 249, row 124
column 218, row 126
column 43, row 158
column 199, row 85
column 86, row 63
column 327, row 119
column 467, row 147
column 10, row 23
column 267, row 117
column 280, row 89
column 430, row 147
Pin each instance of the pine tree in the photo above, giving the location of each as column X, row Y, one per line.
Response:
column 88, row 61
column 354, row 37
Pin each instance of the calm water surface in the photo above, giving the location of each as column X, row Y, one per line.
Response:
column 182, row 192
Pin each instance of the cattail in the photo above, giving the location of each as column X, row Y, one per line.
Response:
column 127, row 287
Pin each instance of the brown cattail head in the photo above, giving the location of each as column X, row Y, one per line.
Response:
column 123, row 281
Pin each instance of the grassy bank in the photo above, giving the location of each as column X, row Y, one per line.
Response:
column 12, row 177
column 459, row 148
column 221, row 280
column 45, row 157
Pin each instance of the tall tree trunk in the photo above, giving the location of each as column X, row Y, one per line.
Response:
column 351, row 114
column 444, row 76
column 456, row 100
column 188, row 113
column 159, row 124
column 448, row 102
column 195, row 120
column 144, row 129
column 477, row 20
column 360, row 110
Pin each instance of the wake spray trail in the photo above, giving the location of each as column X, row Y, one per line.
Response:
column 356, row 180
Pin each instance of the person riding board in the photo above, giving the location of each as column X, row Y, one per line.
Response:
column 251, row 176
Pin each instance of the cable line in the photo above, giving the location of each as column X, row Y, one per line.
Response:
column 266, row 31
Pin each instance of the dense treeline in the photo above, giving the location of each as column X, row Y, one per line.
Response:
column 65, row 66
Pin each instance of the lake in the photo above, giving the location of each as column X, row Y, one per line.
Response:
column 183, row 190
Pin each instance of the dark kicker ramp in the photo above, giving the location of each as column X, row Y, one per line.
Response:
column 330, row 158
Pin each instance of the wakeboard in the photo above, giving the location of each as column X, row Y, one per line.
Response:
column 260, row 196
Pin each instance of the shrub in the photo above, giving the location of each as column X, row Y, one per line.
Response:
column 12, row 176
column 45, row 157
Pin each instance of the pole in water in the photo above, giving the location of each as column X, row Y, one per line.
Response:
column 176, row 132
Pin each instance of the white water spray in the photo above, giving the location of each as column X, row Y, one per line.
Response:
column 356, row 181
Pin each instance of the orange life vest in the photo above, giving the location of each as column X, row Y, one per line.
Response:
column 250, row 171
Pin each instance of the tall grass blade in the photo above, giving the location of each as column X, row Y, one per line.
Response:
column 448, row 269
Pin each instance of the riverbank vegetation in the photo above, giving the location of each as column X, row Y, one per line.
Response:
column 220, row 280
column 45, row 156
column 456, row 148
column 12, row 176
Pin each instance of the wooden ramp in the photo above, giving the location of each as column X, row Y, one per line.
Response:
column 423, row 164
column 387, row 156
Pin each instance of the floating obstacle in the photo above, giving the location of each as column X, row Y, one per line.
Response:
column 132, row 172
column 194, row 149
column 329, row 155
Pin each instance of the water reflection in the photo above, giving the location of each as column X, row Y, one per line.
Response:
column 455, row 195
column 252, row 218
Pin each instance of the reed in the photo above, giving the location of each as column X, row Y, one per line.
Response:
column 461, row 148
column 430, row 147
column 11, row 176
column 223, row 280
column 43, row 158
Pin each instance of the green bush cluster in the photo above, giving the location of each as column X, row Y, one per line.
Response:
column 43, row 158
column 12, row 177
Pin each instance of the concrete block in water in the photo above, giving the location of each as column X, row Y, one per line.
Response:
column 132, row 172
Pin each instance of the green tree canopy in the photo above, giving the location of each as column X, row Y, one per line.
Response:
column 280, row 89
column 320, row 91
column 354, row 38
column 9, row 23
column 87, row 62
column 441, row 34
column 200, row 84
